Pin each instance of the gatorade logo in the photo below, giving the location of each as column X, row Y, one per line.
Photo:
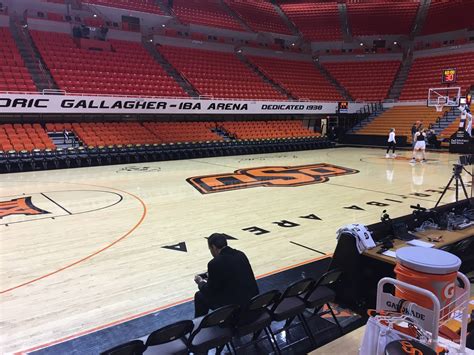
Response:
column 448, row 291
column 269, row 176
column 408, row 348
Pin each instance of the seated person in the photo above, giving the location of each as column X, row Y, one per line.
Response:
column 230, row 279
column 432, row 138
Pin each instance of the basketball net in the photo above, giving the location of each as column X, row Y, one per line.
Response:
column 442, row 100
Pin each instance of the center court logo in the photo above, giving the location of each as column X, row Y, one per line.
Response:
column 269, row 176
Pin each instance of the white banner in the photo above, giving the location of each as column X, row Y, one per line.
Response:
column 58, row 104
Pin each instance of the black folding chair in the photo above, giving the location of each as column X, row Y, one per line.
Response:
column 321, row 294
column 171, row 339
column 134, row 347
column 255, row 318
column 291, row 306
column 213, row 331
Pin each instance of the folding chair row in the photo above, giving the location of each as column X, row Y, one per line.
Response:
column 218, row 329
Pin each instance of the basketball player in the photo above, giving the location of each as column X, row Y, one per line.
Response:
column 420, row 145
column 391, row 143
column 468, row 121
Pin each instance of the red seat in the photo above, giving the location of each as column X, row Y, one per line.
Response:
column 127, row 70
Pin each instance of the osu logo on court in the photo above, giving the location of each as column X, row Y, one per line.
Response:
column 278, row 176
column 21, row 205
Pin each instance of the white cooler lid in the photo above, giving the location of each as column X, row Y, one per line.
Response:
column 429, row 260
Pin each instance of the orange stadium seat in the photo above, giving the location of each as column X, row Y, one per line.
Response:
column 260, row 15
column 24, row 137
column 426, row 72
column 368, row 81
column 127, row 70
column 148, row 6
column 381, row 17
column 451, row 129
column 14, row 76
column 446, row 16
column 267, row 129
column 174, row 132
column 205, row 12
column 316, row 21
column 113, row 133
column 301, row 78
column 219, row 74
column 401, row 118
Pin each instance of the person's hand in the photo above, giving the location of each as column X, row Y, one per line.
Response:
column 198, row 279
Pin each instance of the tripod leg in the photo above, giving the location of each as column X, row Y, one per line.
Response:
column 464, row 189
column 457, row 188
column 444, row 191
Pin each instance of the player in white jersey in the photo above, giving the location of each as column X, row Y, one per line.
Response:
column 468, row 121
column 391, row 143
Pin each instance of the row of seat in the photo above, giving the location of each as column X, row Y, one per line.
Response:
column 301, row 78
column 316, row 21
column 77, row 69
column 368, row 81
column 380, row 18
column 129, row 70
column 446, row 16
column 92, row 156
column 218, row 329
column 260, row 15
column 267, row 129
column 169, row 132
column 20, row 137
column 13, row 74
column 149, row 6
column 426, row 72
column 123, row 133
column 402, row 118
column 205, row 12
column 451, row 129
column 232, row 78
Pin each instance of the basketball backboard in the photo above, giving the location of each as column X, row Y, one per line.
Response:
column 440, row 97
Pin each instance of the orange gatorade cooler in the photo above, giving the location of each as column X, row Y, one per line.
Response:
column 432, row 269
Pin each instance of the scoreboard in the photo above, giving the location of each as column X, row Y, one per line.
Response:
column 449, row 76
column 342, row 106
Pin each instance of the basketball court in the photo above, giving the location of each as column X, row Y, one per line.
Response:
column 105, row 244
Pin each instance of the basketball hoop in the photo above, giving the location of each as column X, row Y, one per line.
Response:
column 441, row 97
column 441, row 101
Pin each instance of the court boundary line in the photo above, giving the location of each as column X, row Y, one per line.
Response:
column 90, row 256
column 145, row 313
column 65, row 215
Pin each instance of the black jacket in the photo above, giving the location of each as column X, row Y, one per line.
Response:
column 230, row 279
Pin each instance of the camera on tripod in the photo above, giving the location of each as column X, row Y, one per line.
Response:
column 457, row 169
